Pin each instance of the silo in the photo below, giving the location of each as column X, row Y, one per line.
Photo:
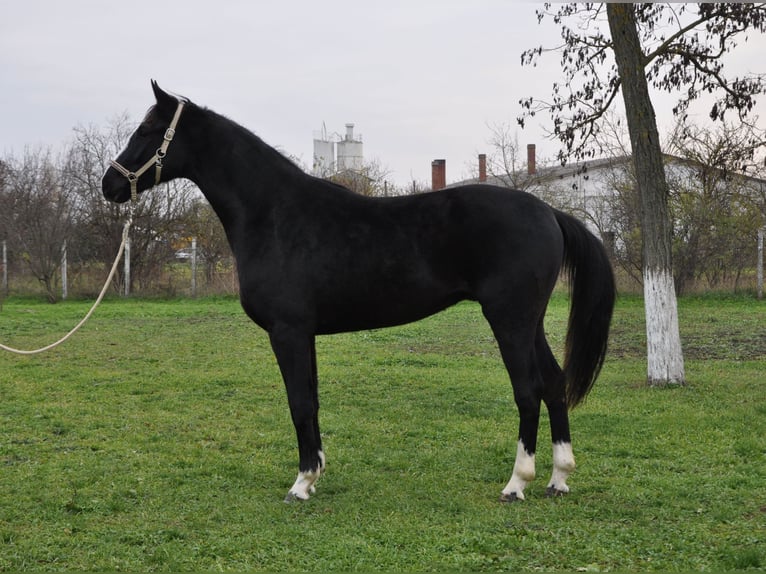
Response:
column 324, row 154
column 350, row 151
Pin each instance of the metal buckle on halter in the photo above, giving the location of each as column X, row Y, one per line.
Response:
column 132, row 176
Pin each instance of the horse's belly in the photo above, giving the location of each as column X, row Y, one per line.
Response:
column 361, row 313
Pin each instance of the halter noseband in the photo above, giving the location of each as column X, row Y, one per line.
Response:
column 155, row 160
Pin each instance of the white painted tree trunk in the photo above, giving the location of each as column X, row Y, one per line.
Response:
column 664, row 357
column 665, row 363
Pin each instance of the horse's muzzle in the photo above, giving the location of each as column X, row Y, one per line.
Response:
column 114, row 186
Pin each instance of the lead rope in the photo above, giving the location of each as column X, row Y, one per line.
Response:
column 125, row 234
column 132, row 178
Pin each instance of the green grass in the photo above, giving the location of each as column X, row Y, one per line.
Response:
column 159, row 439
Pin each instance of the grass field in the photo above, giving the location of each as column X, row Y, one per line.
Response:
column 159, row 439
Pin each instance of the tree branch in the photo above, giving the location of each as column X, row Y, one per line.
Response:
column 648, row 58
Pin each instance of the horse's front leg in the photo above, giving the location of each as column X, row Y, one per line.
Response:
column 297, row 361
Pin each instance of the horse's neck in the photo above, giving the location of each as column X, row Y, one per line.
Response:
column 236, row 173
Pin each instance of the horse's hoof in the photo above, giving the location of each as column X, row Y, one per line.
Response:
column 508, row 498
column 292, row 497
column 553, row 492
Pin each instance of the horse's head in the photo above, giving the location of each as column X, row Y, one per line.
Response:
column 145, row 161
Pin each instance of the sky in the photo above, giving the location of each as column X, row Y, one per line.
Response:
column 420, row 79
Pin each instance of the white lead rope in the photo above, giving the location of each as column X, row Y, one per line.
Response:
column 125, row 234
column 132, row 177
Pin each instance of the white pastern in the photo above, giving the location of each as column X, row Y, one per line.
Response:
column 523, row 474
column 563, row 466
column 304, row 484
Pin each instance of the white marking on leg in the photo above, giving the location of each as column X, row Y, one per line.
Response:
column 563, row 466
column 523, row 474
column 304, row 484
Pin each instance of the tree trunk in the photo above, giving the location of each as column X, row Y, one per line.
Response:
column 664, row 355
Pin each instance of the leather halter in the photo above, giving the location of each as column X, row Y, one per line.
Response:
column 155, row 160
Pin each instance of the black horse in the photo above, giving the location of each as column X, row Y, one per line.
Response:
column 314, row 258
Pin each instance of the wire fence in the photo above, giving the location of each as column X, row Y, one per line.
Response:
column 187, row 274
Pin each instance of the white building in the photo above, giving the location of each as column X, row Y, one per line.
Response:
column 589, row 189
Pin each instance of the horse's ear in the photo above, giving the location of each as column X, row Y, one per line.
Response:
column 164, row 100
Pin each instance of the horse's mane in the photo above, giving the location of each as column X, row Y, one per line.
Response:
column 244, row 142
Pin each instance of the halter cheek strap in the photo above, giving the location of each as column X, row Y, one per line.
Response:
column 155, row 160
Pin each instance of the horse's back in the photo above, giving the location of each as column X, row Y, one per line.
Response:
column 462, row 233
column 491, row 233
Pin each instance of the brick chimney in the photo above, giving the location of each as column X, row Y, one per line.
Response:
column 482, row 168
column 531, row 163
column 438, row 174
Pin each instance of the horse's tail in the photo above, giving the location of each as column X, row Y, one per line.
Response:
column 592, row 293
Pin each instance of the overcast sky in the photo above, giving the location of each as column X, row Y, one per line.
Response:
column 420, row 79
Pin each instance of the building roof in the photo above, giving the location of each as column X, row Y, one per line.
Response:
column 559, row 172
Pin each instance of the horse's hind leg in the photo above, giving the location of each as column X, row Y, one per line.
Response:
column 296, row 356
column 555, row 401
column 515, row 338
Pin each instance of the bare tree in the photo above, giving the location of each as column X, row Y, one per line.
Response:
column 98, row 232
column 668, row 47
column 624, row 205
column 369, row 180
column 158, row 213
column 202, row 222
column 508, row 166
column 506, row 162
column 35, row 212
column 717, row 209
column 4, row 174
column 414, row 187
